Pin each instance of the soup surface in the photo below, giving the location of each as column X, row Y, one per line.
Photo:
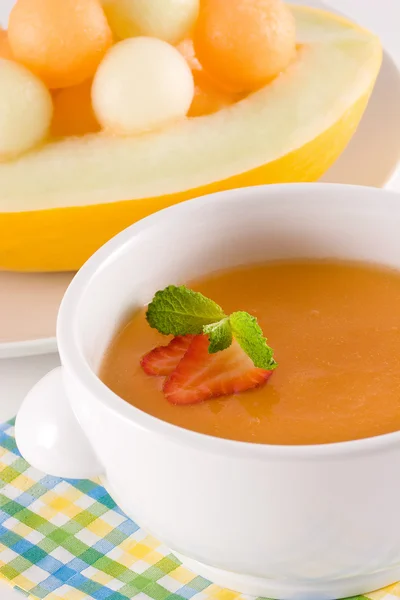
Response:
column 335, row 330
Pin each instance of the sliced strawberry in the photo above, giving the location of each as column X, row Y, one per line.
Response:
column 201, row 376
column 164, row 359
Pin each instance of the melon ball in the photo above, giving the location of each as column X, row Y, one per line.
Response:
column 186, row 48
column 26, row 110
column 168, row 20
column 243, row 44
column 5, row 48
column 208, row 98
column 73, row 111
column 61, row 41
column 141, row 85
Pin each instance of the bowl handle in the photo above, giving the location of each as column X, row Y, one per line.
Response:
column 48, row 434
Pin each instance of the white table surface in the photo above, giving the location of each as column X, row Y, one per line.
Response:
column 18, row 375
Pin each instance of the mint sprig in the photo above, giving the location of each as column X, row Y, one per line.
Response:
column 219, row 334
column 249, row 335
column 180, row 311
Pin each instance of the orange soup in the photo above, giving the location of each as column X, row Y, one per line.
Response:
column 335, row 331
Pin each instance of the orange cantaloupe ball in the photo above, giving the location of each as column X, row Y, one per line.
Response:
column 61, row 41
column 243, row 44
column 5, row 48
column 208, row 97
column 73, row 111
column 186, row 48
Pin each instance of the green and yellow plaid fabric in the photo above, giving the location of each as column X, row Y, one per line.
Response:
column 67, row 540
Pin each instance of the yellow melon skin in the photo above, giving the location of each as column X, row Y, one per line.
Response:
column 63, row 239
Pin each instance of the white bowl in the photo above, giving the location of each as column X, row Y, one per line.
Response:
column 306, row 522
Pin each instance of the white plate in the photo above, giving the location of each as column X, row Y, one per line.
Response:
column 29, row 302
column 28, row 311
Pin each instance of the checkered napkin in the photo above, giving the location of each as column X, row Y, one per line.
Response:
column 67, row 540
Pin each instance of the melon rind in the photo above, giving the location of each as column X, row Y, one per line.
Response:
column 60, row 203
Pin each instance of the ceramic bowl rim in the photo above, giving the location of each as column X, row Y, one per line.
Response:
column 74, row 362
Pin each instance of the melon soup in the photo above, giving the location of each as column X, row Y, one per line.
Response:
column 334, row 328
column 274, row 520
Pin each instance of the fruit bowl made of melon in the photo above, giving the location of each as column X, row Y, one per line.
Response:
column 62, row 201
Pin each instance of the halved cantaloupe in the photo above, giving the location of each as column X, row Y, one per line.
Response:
column 58, row 204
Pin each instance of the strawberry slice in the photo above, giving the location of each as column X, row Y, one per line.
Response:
column 163, row 360
column 201, row 376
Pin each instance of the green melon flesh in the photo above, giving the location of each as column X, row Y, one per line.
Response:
column 337, row 64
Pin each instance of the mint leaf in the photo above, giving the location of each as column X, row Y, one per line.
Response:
column 249, row 335
column 180, row 311
column 219, row 335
